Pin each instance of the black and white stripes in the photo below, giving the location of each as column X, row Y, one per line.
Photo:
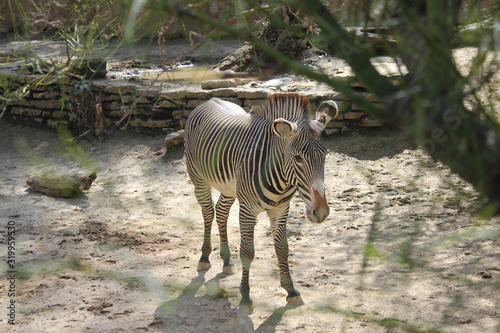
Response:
column 261, row 158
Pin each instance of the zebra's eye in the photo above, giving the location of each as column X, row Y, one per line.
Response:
column 298, row 159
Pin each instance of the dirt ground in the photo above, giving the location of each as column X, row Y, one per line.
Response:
column 403, row 249
column 122, row 258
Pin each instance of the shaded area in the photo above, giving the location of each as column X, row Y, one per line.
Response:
column 370, row 144
column 188, row 312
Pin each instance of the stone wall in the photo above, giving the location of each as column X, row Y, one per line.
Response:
column 133, row 107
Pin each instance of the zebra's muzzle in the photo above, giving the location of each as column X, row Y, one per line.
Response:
column 319, row 210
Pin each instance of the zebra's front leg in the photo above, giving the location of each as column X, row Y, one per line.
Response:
column 278, row 220
column 204, row 197
column 222, row 211
column 247, row 253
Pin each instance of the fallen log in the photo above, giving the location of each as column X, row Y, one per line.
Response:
column 61, row 185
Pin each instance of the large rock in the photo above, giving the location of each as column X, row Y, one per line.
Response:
column 241, row 60
column 174, row 139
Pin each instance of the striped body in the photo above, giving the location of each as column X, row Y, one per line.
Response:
column 261, row 158
column 227, row 147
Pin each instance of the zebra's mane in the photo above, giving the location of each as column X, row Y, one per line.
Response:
column 291, row 107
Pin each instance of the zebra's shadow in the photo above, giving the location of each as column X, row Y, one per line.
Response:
column 212, row 312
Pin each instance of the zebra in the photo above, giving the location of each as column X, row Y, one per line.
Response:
column 261, row 158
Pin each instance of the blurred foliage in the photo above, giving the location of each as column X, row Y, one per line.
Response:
column 439, row 107
column 451, row 114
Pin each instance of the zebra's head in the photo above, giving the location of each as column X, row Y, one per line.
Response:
column 306, row 157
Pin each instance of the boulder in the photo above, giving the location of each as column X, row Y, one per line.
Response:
column 174, row 139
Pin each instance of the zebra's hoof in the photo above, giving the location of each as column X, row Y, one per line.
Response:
column 229, row 269
column 203, row 266
column 295, row 301
column 246, row 308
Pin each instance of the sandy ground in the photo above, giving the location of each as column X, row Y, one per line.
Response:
column 122, row 258
column 402, row 250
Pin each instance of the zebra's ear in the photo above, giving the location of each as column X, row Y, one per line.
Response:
column 326, row 112
column 285, row 129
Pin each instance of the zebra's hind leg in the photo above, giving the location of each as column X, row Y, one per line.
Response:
column 222, row 212
column 278, row 220
column 204, row 196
